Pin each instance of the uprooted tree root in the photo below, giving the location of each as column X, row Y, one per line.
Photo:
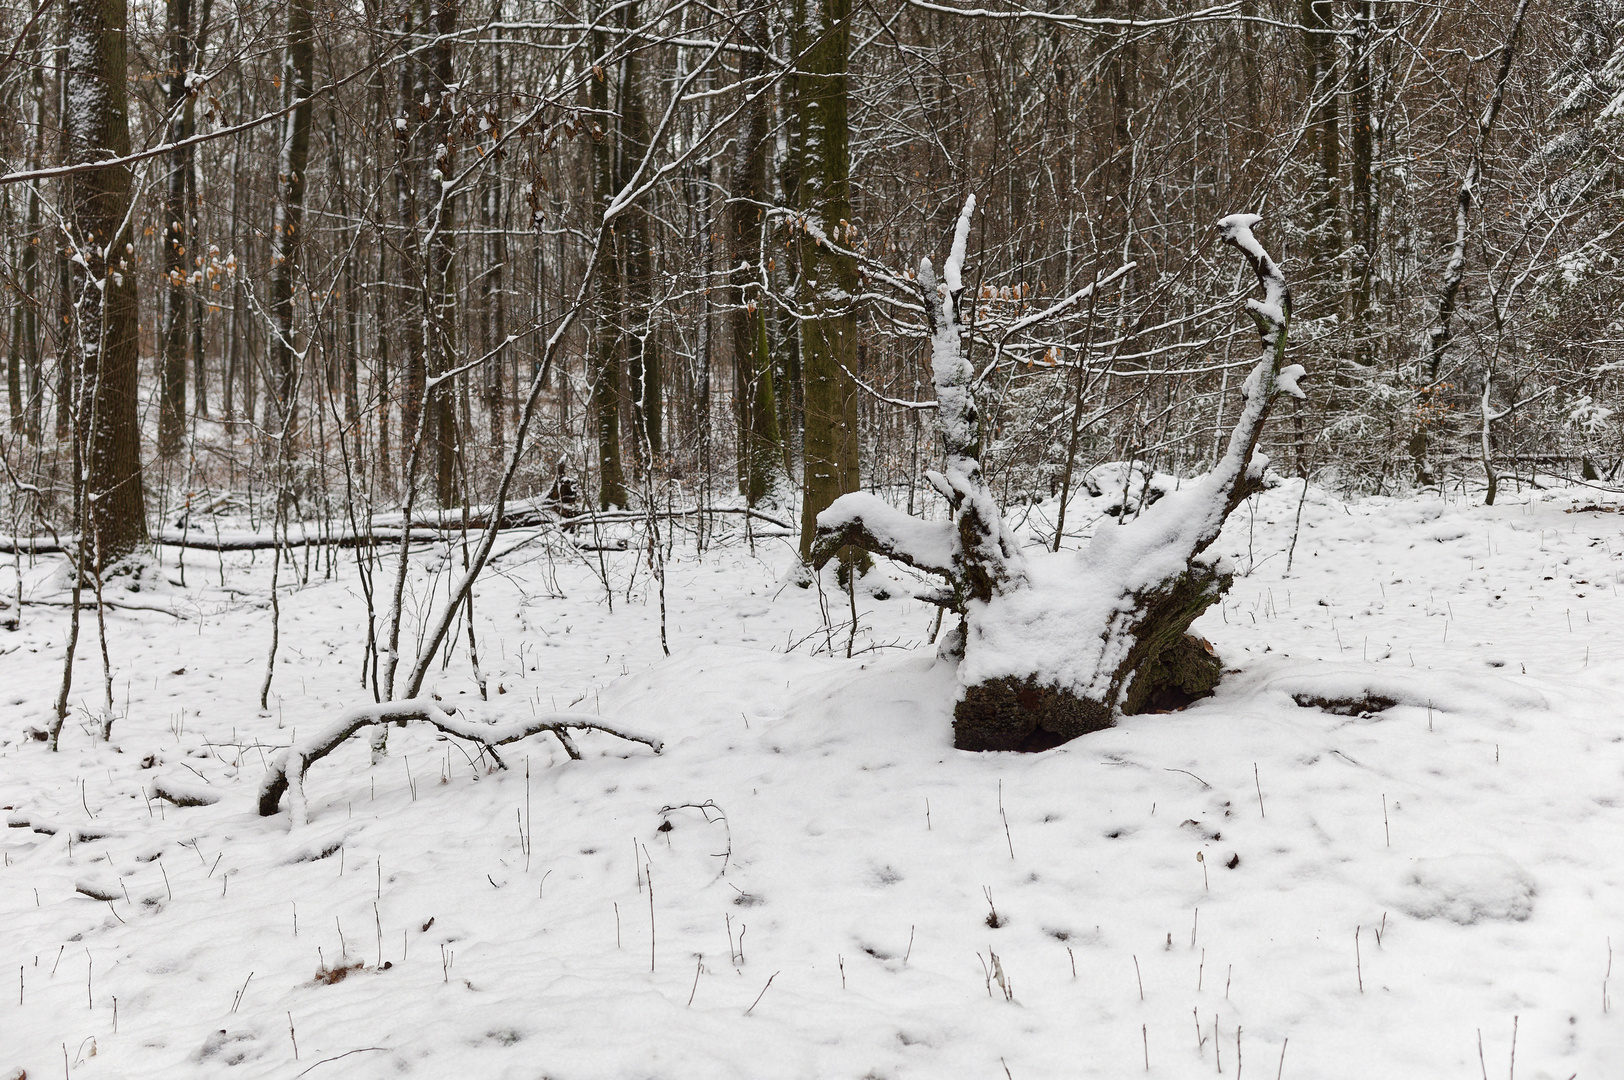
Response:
column 287, row 772
column 1023, row 714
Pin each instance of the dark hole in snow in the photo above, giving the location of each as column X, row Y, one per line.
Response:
column 1059, row 935
column 428, row 924
column 1234, row 861
column 503, row 1036
column 665, row 826
column 878, row 954
column 1370, row 703
column 1114, row 834
column 745, row 899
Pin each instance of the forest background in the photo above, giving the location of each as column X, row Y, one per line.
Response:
column 361, row 253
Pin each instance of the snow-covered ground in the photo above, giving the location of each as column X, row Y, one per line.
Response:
column 802, row 885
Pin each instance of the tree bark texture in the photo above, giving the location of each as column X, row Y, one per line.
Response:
column 604, row 362
column 829, row 283
column 287, row 231
column 761, row 451
column 105, row 314
column 173, row 335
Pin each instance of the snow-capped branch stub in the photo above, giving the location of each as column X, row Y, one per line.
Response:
column 952, row 270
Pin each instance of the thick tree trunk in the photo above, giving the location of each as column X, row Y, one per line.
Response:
column 105, row 326
column 829, row 288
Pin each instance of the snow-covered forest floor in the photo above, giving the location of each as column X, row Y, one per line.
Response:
column 802, row 884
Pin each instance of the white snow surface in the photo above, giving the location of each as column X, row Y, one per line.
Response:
column 493, row 925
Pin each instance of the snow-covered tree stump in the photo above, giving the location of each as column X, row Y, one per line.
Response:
column 287, row 772
column 1053, row 646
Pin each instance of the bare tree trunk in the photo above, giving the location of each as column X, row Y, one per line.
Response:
column 1439, row 335
column 644, row 374
column 1324, row 139
column 761, row 451
column 173, row 335
column 105, row 313
column 604, row 369
column 440, row 298
column 288, row 232
column 493, row 282
column 829, row 275
column 1362, row 180
column 406, row 209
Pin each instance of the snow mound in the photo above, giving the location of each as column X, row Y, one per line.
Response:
column 1468, row 888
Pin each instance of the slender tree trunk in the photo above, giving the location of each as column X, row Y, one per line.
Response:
column 493, row 281
column 106, row 315
column 1362, row 180
column 1442, row 330
column 406, row 170
column 761, row 452
column 173, row 334
column 15, row 406
column 350, row 294
column 440, row 299
column 1325, row 209
column 29, row 268
column 194, row 180
column 605, row 358
column 644, row 375
column 288, row 232
column 228, row 377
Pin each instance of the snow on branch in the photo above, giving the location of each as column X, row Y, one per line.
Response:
column 871, row 523
column 287, row 771
column 1274, row 310
column 952, row 269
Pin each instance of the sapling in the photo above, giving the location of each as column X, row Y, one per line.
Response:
column 761, row 995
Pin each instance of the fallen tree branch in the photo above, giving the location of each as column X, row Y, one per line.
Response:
column 424, row 530
column 30, row 545
column 287, row 772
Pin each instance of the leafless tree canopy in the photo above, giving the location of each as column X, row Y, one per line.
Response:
column 658, row 253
